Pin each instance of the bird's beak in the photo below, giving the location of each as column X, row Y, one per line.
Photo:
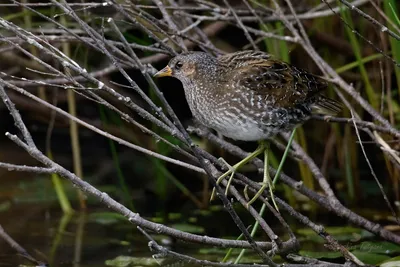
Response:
column 167, row 71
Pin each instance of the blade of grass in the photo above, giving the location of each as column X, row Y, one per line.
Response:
column 354, row 64
column 306, row 175
column 59, row 234
column 253, row 233
column 55, row 178
column 348, row 165
column 391, row 11
column 372, row 97
column 121, row 177
column 228, row 254
column 73, row 126
column 263, row 207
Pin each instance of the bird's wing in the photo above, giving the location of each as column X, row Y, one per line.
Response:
column 243, row 58
column 281, row 84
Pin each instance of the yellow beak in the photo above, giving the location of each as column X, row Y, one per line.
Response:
column 167, row 71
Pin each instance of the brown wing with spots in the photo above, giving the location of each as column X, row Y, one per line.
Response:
column 243, row 58
column 278, row 82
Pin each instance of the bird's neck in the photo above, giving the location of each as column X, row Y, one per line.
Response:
column 212, row 74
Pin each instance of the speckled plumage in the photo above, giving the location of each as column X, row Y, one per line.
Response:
column 249, row 95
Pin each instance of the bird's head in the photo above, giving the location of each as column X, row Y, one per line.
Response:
column 187, row 65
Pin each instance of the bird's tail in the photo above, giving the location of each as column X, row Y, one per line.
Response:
column 326, row 106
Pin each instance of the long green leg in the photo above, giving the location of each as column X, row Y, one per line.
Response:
column 266, row 178
column 235, row 167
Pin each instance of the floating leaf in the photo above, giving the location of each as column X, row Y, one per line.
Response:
column 4, row 206
column 339, row 233
column 202, row 212
column 174, row 216
column 188, row 228
column 393, row 262
column 217, row 251
column 321, row 254
column 106, row 218
column 125, row 261
column 379, row 247
column 370, row 258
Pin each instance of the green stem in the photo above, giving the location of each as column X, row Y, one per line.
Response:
column 279, row 170
column 253, row 233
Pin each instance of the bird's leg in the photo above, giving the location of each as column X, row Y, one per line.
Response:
column 271, row 184
column 266, row 178
column 230, row 177
column 234, row 168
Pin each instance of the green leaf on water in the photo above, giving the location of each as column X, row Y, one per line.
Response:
column 339, row 233
column 188, row 228
column 157, row 219
column 321, row 254
column 202, row 212
column 125, row 261
column 370, row 258
column 393, row 262
column 4, row 206
column 106, row 218
column 192, row 219
column 216, row 251
column 386, row 248
column 174, row 216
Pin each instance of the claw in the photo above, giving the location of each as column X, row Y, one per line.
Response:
column 266, row 180
column 231, row 171
column 259, row 193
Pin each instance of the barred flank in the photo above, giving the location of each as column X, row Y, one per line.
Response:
column 326, row 106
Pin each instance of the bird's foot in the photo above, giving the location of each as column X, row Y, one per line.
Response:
column 230, row 172
column 264, row 185
column 258, row 194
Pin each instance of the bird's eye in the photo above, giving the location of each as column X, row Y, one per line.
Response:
column 178, row 65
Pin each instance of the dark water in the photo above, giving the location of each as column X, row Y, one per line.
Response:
column 68, row 240
column 91, row 238
column 96, row 237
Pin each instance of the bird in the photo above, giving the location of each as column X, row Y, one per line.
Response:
column 249, row 96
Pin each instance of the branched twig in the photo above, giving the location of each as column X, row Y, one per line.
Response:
column 162, row 252
column 184, row 27
column 20, row 250
column 382, row 27
column 103, row 197
column 21, row 168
